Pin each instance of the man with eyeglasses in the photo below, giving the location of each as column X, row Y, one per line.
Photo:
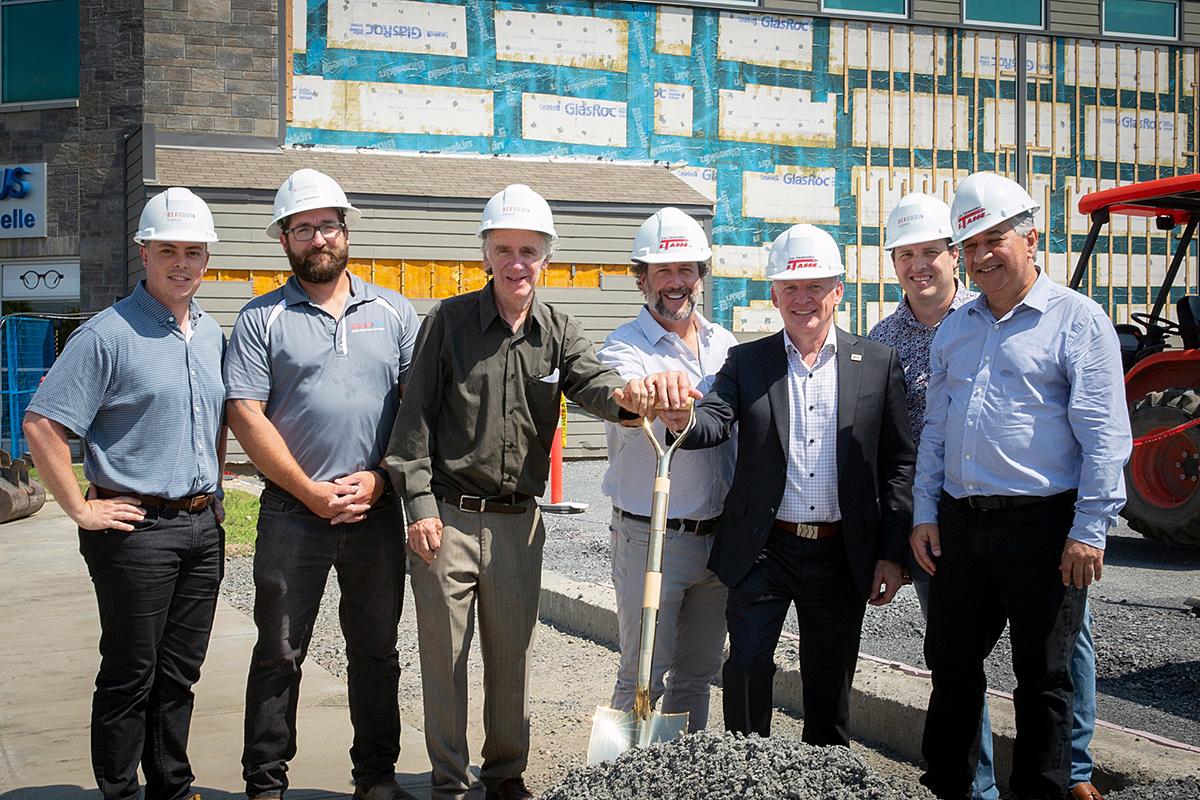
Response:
column 314, row 374
column 140, row 384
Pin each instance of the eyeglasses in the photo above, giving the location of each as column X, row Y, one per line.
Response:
column 305, row 233
column 51, row 278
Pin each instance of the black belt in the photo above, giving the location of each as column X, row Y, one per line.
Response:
column 1004, row 502
column 515, row 503
column 193, row 504
column 700, row 527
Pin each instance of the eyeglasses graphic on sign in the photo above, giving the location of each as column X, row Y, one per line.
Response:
column 51, row 278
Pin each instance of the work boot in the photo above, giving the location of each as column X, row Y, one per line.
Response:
column 1084, row 791
column 510, row 789
column 388, row 790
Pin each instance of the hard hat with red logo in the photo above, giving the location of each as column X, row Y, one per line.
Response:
column 176, row 215
column 983, row 200
column 517, row 207
column 670, row 236
column 804, row 252
column 917, row 218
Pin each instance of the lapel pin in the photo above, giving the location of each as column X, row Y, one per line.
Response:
column 856, row 356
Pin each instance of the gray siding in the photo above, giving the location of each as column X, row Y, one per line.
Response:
column 1075, row 16
column 1191, row 21
column 135, row 201
column 792, row 6
column 945, row 11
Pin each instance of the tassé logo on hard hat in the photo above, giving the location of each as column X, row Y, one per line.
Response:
column 804, row 262
column 967, row 217
column 673, row 242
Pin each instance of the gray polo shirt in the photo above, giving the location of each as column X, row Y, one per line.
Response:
column 147, row 401
column 332, row 387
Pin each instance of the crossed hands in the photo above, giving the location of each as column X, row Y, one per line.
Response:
column 346, row 499
column 665, row 394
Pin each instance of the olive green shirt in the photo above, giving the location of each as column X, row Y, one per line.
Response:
column 482, row 403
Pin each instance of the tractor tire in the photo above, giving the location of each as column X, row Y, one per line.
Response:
column 1162, row 478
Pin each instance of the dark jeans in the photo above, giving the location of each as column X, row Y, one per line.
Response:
column 1002, row 566
column 815, row 575
column 294, row 552
column 156, row 588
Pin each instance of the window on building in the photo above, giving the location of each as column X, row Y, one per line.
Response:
column 1010, row 13
column 1157, row 19
column 873, row 8
column 39, row 50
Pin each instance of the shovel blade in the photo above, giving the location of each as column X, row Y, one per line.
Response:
column 614, row 732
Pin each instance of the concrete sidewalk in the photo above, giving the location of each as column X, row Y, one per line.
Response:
column 49, row 630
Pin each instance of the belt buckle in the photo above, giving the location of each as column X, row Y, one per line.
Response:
column 197, row 503
column 974, row 505
column 807, row 530
column 465, row 500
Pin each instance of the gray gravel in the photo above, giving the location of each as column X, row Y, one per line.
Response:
column 1147, row 644
column 715, row 765
column 1183, row 789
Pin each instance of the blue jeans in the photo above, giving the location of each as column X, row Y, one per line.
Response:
column 1083, row 675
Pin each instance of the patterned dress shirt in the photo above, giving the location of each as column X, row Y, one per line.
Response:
column 912, row 339
column 810, row 492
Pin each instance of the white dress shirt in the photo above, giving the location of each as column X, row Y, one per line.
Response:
column 810, row 493
column 699, row 478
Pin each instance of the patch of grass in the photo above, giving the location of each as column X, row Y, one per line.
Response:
column 241, row 522
column 77, row 468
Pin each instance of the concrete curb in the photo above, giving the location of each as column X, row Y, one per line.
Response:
column 889, row 702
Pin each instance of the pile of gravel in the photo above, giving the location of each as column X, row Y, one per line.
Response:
column 1179, row 789
column 727, row 765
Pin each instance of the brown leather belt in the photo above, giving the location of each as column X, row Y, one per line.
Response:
column 810, row 530
column 193, row 504
column 515, row 503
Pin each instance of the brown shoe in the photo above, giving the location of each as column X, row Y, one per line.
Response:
column 388, row 790
column 510, row 789
column 1084, row 791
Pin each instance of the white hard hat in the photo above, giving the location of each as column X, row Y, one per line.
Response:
column 984, row 200
column 517, row 207
column 304, row 190
column 176, row 215
column 917, row 218
column 670, row 236
column 803, row 252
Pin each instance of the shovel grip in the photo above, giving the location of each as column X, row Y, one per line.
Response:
column 652, row 590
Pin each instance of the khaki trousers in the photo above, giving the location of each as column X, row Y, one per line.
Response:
column 492, row 562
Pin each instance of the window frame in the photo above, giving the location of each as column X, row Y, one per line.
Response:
column 992, row 24
column 50, row 102
column 846, row 12
column 1150, row 37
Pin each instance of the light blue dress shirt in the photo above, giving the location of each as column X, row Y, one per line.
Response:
column 1030, row 404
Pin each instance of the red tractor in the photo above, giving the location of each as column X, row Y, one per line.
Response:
column 1162, row 367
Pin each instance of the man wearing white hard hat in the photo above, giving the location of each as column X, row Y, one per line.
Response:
column 315, row 372
column 1019, row 478
column 819, row 509
column 470, row 453
column 670, row 259
column 140, row 384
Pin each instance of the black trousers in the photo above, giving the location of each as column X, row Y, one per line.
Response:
column 156, row 588
column 996, row 567
column 815, row 575
column 294, row 552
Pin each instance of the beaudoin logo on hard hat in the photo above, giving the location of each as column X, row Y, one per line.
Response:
column 673, row 243
column 180, row 215
column 804, row 262
column 507, row 210
column 967, row 217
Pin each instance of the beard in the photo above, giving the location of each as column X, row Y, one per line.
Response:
column 320, row 266
column 685, row 311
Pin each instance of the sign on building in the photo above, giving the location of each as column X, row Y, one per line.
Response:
column 22, row 201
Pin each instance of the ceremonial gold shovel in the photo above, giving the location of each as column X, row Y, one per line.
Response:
column 613, row 731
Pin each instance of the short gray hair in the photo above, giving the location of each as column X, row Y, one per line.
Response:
column 548, row 243
column 1023, row 223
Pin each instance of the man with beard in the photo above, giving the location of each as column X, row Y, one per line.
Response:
column 670, row 259
column 314, row 375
